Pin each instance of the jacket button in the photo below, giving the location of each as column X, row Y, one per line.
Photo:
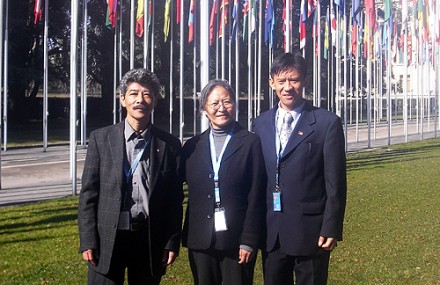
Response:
column 211, row 176
column 209, row 216
column 283, row 165
column 209, row 196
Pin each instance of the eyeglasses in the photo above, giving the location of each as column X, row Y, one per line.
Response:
column 216, row 105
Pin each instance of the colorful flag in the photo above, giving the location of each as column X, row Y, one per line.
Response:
column 326, row 34
column 38, row 11
column 302, row 25
column 191, row 21
column 223, row 17
column 212, row 22
column 356, row 9
column 341, row 5
column 167, row 20
column 140, row 18
column 112, row 12
column 268, row 22
column 311, row 6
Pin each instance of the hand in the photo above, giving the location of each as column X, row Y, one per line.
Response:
column 244, row 256
column 327, row 243
column 168, row 257
column 89, row 256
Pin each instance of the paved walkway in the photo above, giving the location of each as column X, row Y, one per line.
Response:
column 29, row 174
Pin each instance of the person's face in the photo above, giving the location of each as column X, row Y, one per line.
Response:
column 139, row 101
column 220, row 108
column 288, row 86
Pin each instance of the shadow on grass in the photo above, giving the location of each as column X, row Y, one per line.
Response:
column 37, row 225
column 392, row 154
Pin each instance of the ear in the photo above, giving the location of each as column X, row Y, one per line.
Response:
column 271, row 83
column 122, row 101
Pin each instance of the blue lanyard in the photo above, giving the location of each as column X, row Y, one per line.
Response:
column 133, row 167
column 216, row 163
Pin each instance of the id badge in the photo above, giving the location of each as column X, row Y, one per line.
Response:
column 220, row 220
column 277, row 201
column 124, row 221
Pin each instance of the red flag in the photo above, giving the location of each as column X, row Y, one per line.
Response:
column 38, row 11
column 112, row 7
column 212, row 22
column 311, row 6
column 178, row 10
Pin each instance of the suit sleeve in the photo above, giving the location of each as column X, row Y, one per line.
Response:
column 254, row 223
column 89, row 196
column 335, row 180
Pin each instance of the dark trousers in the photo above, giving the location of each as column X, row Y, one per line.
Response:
column 281, row 269
column 212, row 267
column 130, row 253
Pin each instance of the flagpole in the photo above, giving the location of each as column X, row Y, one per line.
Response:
column 249, row 61
column 288, row 33
column 1, row 64
column 132, row 20
column 237, row 65
column 146, row 33
column 171, row 14
column 346, row 53
column 318, row 10
column 194, row 24
column 73, row 81
column 204, row 53
column 260, row 52
column 84, row 78
column 389, row 61
column 115, row 69
column 405, row 68
column 182, row 62
column 223, row 40
column 5, row 75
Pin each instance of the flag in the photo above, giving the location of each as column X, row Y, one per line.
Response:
column 268, row 22
column 178, row 10
column 191, row 21
column 326, row 34
column 112, row 13
column 38, row 11
column 387, row 11
column 246, row 14
column 234, row 19
column 302, row 25
column 315, row 32
column 356, row 9
column 212, row 22
column 167, row 20
column 223, row 17
column 311, row 6
column 341, row 5
column 333, row 25
column 140, row 18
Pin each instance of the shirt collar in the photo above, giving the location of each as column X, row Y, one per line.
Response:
column 131, row 134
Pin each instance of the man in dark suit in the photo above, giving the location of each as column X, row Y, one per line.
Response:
column 304, row 152
column 130, row 207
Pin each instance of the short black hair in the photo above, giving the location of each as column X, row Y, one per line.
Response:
column 288, row 61
column 143, row 77
column 210, row 86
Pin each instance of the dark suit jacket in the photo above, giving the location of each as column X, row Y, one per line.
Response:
column 102, row 184
column 242, row 182
column 312, row 180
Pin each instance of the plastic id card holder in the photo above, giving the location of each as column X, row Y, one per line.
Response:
column 277, row 201
column 124, row 220
column 220, row 220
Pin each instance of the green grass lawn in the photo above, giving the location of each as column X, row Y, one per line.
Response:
column 391, row 228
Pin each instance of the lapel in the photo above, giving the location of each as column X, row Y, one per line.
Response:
column 302, row 129
column 235, row 143
column 157, row 154
column 117, row 149
column 267, row 131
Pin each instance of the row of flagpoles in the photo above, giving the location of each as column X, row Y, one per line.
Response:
column 359, row 45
